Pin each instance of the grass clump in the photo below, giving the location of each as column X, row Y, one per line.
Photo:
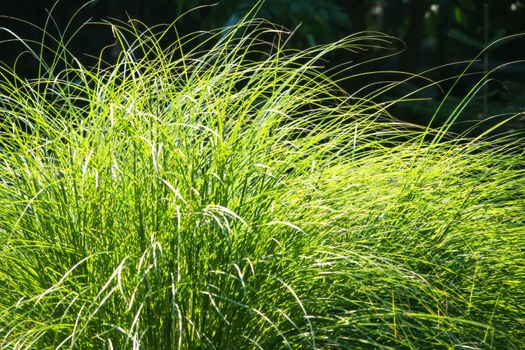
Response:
column 234, row 197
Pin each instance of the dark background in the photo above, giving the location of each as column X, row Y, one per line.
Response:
column 434, row 32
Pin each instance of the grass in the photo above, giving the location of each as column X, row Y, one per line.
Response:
column 231, row 196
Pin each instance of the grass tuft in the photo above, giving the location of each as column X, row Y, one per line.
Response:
column 232, row 196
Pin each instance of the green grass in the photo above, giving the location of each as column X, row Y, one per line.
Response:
column 233, row 197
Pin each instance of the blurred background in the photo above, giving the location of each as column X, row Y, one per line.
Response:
column 433, row 33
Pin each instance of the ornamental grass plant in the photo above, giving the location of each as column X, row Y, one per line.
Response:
column 231, row 196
